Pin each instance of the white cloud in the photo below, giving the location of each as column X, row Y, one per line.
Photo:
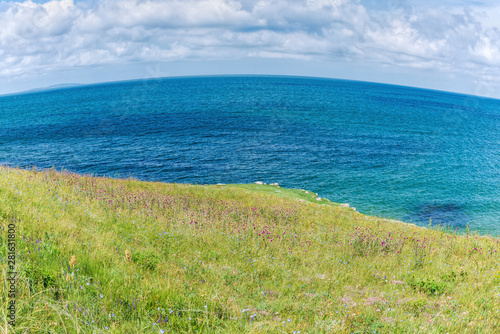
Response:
column 59, row 35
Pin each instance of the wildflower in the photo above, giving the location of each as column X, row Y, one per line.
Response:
column 72, row 261
column 128, row 255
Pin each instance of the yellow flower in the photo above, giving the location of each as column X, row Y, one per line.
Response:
column 72, row 261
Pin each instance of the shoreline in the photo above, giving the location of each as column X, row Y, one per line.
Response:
column 307, row 196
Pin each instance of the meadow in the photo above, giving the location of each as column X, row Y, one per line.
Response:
column 104, row 255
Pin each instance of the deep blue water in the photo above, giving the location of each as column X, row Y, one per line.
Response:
column 399, row 152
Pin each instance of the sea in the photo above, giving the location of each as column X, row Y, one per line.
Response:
column 416, row 155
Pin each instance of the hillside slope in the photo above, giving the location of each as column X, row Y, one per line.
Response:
column 107, row 255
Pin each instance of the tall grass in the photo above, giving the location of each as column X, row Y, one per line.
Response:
column 123, row 256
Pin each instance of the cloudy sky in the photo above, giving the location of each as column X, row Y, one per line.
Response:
column 446, row 45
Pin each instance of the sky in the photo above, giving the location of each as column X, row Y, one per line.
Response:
column 446, row 45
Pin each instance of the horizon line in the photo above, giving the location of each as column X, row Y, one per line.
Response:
column 67, row 86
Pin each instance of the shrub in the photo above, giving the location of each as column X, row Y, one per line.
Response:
column 428, row 286
column 147, row 260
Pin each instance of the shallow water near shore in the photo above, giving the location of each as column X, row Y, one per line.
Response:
column 403, row 153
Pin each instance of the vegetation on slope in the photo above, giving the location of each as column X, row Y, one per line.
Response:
column 123, row 256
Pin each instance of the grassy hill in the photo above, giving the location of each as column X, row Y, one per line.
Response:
column 101, row 255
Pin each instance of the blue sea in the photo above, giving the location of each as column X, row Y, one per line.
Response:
column 398, row 152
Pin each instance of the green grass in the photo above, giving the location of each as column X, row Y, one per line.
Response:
column 231, row 259
column 291, row 194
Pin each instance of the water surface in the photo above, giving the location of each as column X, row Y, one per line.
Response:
column 398, row 152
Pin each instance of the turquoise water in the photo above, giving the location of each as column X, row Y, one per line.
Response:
column 398, row 152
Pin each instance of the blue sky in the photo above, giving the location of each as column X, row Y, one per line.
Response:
column 447, row 45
